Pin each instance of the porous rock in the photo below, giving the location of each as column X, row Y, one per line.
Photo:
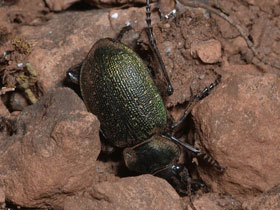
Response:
column 18, row 102
column 2, row 196
column 51, row 153
column 209, row 51
column 215, row 201
column 269, row 200
column 65, row 40
column 58, row 5
column 3, row 109
column 240, row 128
column 143, row 192
column 237, row 45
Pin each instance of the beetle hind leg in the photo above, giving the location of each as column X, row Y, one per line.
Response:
column 194, row 100
column 205, row 158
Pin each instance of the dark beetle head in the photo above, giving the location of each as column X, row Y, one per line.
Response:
column 178, row 176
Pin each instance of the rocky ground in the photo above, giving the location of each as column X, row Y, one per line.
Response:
column 50, row 145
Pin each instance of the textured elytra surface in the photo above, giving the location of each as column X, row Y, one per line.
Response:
column 117, row 87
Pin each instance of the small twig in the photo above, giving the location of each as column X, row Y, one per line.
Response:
column 4, row 90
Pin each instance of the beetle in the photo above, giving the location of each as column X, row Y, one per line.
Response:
column 117, row 87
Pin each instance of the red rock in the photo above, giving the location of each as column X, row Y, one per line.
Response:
column 269, row 200
column 18, row 102
column 2, row 196
column 214, row 201
column 31, row 12
column 58, row 5
column 239, row 124
column 63, row 42
column 136, row 17
column 52, row 153
column 188, row 76
column 5, row 28
column 265, row 5
column 240, row 69
column 207, row 51
column 236, row 45
column 66, row 39
column 264, row 33
column 142, row 192
column 3, row 109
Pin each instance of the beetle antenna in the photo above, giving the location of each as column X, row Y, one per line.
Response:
column 153, row 42
column 183, row 144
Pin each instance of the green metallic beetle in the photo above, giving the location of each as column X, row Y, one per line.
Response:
column 117, row 87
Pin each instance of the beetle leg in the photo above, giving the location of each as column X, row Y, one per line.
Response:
column 210, row 161
column 194, row 100
column 183, row 144
column 123, row 31
column 200, row 156
column 206, row 90
column 73, row 74
column 155, row 48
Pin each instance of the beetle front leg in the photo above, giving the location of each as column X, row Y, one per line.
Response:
column 73, row 74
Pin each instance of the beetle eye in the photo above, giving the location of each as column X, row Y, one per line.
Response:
column 177, row 168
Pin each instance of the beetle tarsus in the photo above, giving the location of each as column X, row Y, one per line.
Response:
column 171, row 13
column 170, row 90
column 123, row 31
column 206, row 90
column 206, row 158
